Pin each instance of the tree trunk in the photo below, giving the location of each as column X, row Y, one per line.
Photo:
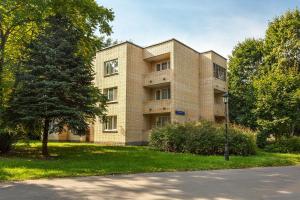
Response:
column 45, row 138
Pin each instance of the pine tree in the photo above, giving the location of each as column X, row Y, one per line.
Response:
column 55, row 89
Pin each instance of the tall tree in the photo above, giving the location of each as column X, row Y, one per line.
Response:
column 18, row 23
column 277, row 85
column 55, row 87
column 278, row 101
column 282, row 42
column 243, row 66
column 22, row 20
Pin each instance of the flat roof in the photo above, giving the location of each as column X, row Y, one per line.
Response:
column 173, row 39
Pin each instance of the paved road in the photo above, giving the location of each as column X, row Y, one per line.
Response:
column 278, row 183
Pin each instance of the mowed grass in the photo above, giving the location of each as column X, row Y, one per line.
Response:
column 81, row 159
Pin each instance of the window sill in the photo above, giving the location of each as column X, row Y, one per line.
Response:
column 111, row 102
column 219, row 79
column 108, row 75
column 110, row 131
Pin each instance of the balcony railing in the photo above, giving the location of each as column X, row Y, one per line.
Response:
column 157, row 106
column 220, row 85
column 219, row 109
column 157, row 78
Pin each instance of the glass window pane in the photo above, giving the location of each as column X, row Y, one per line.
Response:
column 157, row 67
column 115, row 94
column 115, row 122
column 164, row 66
column 164, row 93
column 111, row 67
column 157, row 95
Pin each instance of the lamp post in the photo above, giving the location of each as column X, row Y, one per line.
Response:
column 226, row 152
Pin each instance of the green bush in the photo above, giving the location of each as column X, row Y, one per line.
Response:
column 203, row 138
column 261, row 139
column 7, row 139
column 285, row 145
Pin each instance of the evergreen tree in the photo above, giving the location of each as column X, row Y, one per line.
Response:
column 55, row 88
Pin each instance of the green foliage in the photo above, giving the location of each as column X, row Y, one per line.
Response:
column 261, row 139
column 203, row 138
column 264, row 79
column 56, row 86
column 285, row 145
column 282, row 42
column 278, row 102
column 7, row 139
column 22, row 21
column 243, row 66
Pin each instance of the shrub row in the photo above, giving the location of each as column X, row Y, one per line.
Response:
column 203, row 138
column 284, row 145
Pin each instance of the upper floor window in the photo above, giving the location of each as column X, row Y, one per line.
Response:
column 110, row 123
column 111, row 67
column 163, row 65
column 219, row 72
column 164, row 93
column 111, row 93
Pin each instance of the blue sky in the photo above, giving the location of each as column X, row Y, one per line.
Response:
column 202, row 24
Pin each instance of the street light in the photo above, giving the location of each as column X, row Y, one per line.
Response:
column 226, row 152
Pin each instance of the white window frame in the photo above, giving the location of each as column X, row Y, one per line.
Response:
column 162, row 120
column 161, row 93
column 111, row 92
column 110, row 123
column 111, row 67
column 159, row 65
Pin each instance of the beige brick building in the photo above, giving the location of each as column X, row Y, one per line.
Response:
column 147, row 87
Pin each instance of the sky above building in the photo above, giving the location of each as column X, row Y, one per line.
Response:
column 202, row 24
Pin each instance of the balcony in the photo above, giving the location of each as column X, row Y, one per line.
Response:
column 157, row 78
column 219, row 109
column 220, row 85
column 157, row 106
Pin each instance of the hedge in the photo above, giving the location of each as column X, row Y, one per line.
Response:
column 203, row 138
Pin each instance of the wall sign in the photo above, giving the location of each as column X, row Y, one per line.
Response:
column 179, row 112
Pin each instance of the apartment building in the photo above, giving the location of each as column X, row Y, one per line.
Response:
column 148, row 87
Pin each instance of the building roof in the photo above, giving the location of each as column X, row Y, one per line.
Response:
column 173, row 39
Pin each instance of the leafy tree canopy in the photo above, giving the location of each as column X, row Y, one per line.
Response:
column 55, row 87
column 243, row 66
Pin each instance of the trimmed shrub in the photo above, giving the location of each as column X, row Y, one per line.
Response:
column 203, row 138
column 285, row 145
column 169, row 138
column 241, row 141
column 7, row 139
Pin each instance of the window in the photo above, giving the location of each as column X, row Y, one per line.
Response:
column 158, row 67
column 157, row 94
column 110, row 123
column 163, row 65
column 162, row 121
column 111, row 67
column 219, row 72
column 164, row 93
column 111, row 93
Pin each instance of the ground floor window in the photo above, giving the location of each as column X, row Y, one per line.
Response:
column 111, row 123
column 162, row 121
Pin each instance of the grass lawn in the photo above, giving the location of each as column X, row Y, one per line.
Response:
column 79, row 159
